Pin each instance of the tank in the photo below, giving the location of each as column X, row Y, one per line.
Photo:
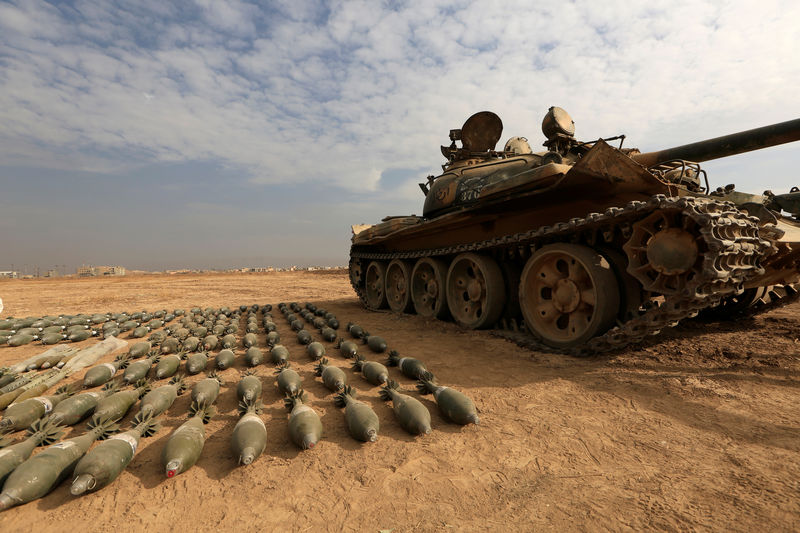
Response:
column 583, row 247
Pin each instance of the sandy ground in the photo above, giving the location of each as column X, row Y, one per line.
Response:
column 696, row 430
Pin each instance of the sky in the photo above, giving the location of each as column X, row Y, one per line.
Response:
column 219, row 134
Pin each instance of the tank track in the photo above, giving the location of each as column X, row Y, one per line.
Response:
column 731, row 236
column 773, row 300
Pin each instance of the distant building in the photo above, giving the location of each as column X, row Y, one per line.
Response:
column 9, row 274
column 86, row 271
column 52, row 273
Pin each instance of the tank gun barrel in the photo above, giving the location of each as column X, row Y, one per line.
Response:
column 727, row 145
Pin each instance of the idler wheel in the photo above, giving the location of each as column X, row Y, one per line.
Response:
column 663, row 251
column 428, row 288
column 355, row 272
column 568, row 294
column 475, row 291
column 398, row 292
column 374, row 285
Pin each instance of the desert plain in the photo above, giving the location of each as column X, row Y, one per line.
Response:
column 697, row 429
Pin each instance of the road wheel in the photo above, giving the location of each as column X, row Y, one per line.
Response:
column 398, row 292
column 375, row 289
column 428, row 288
column 475, row 291
column 568, row 294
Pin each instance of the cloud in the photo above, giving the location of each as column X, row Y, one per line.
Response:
column 341, row 93
column 345, row 93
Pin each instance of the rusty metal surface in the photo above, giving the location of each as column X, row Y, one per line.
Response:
column 741, row 249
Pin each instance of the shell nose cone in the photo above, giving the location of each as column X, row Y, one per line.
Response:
column 6, row 502
column 247, row 457
column 172, row 468
column 373, row 435
column 475, row 419
column 82, row 483
column 309, row 442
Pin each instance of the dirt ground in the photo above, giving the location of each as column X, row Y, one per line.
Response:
column 698, row 429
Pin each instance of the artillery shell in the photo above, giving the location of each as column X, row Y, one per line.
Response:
column 356, row 331
column 410, row 367
column 210, row 342
column 273, row 338
column 376, row 344
column 169, row 345
column 52, row 338
column 224, row 359
column 160, row 399
column 373, row 372
column 288, row 380
column 196, row 363
column 78, row 407
column 103, row 464
column 118, row 404
column 139, row 332
column 137, row 370
column 315, row 351
column 304, row 337
column 254, row 356
column 205, row 391
column 100, row 374
column 43, row 472
column 305, row 426
column 228, row 341
column 454, row 405
column 167, row 366
column 32, row 392
column 185, row 445
column 332, row 376
column 21, row 339
column 140, row 349
column 328, row 334
column 82, row 335
column 279, row 354
column 250, row 433
column 190, row 344
column 413, row 416
column 249, row 340
column 348, row 349
column 362, row 422
column 22, row 414
column 249, row 387
column 41, row 433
